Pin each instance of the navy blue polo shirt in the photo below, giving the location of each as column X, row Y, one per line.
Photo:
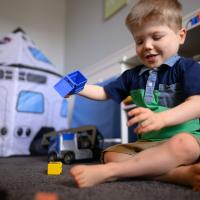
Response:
column 160, row 89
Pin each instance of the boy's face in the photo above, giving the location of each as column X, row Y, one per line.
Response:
column 156, row 43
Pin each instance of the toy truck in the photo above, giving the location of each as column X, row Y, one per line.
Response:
column 74, row 144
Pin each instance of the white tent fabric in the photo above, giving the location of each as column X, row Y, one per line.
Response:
column 18, row 48
column 28, row 104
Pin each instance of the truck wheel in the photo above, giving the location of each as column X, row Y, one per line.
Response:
column 68, row 158
column 53, row 157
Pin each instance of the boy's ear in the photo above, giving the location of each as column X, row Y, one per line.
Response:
column 182, row 35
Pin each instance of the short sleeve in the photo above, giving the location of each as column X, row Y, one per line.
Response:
column 119, row 89
column 191, row 78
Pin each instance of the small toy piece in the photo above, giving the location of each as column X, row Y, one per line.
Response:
column 71, row 83
column 195, row 20
column 54, row 168
column 46, row 196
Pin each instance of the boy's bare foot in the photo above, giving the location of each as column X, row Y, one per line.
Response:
column 90, row 175
column 190, row 175
column 184, row 175
column 194, row 176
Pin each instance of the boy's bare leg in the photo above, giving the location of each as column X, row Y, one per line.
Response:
column 115, row 157
column 182, row 149
column 184, row 175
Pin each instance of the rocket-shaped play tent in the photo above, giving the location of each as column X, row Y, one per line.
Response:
column 29, row 105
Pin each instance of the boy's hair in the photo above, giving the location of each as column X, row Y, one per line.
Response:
column 164, row 12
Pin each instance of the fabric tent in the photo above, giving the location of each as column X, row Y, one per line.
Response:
column 28, row 105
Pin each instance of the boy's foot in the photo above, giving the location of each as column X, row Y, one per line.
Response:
column 184, row 175
column 194, row 176
column 90, row 175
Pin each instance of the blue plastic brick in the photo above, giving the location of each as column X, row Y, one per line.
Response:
column 71, row 83
column 195, row 20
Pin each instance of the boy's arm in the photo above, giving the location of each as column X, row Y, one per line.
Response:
column 190, row 109
column 94, row 92
column 149, row 120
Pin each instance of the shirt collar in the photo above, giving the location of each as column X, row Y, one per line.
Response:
column 169, row 62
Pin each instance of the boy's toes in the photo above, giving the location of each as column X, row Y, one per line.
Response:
column 196, row 168
column 196, row 188
column 74, row 171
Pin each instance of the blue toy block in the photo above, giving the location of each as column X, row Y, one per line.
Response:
column 195, row 20
column 71, row 83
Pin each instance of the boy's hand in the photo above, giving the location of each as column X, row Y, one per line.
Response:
column 147, row 120
column 67, row 96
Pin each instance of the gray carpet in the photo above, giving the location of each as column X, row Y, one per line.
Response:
column 22, row 177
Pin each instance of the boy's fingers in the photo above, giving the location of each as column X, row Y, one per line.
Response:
column 145, row 123
column 134, row 111
column 141, row 130
column 133, row 121
column 137, row 111
column 137, row 119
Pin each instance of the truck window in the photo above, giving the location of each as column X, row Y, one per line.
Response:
column 63, row 111
column 31, row 102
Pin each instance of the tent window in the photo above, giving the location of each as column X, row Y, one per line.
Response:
column 22, row 76
column 8, row 77
column 36, row 78
column 9, row 72
column 31, row 102
column 1, row 74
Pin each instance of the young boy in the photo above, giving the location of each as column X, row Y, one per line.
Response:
column 166, row 90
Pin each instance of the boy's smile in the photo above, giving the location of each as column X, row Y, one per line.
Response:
column 156, row 43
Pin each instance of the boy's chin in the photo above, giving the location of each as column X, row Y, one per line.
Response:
column 153, row 66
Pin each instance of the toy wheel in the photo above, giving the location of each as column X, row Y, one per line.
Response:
column 53, row 157
column 96, row 153
column 68, row 158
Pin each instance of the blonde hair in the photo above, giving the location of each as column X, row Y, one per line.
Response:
column 164, row 12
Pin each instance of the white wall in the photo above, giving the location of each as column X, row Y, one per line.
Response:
column 43, row 20
column 71, row 33
column 91, row 41
column 89, row 38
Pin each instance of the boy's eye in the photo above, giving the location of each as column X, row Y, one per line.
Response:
column 138, row 42
column 157, row 37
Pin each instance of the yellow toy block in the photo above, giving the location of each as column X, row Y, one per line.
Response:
column 54, row 168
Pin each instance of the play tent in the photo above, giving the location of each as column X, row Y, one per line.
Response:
column 29, row 106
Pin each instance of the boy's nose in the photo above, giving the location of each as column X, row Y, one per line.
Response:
column 148, row 45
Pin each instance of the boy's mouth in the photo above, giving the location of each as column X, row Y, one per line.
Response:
column 151, row 57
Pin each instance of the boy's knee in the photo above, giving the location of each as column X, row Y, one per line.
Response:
column 185, row 146
column 114, row 157
column 110, row 157
column 107, row 157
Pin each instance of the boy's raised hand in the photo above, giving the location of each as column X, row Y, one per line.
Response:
column 147, row 120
